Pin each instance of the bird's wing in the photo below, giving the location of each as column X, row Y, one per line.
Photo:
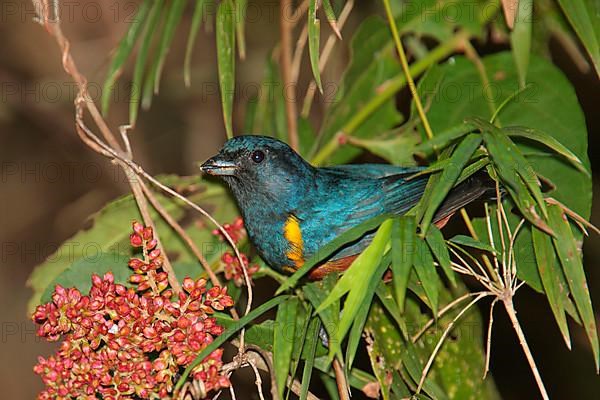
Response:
column 352, row 194
column 373, row 170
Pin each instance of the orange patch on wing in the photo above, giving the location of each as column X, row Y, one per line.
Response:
column 293, row 234
column 442, row 222
column 339, row 265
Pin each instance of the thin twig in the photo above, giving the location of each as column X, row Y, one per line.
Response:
column 441, row 341
column 510, row 309
column 297, row 59
column 576, row 217
column 143, row 206
column 299, row 13
column 443, row 312
column 404, row 63
column 488, row 347
column 181, row 232
column 340, row 379
column 258, row 381
column 285, row 57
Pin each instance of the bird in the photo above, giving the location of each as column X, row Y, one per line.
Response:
column 291, row 208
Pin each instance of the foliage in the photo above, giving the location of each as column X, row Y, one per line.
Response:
column 511, row 114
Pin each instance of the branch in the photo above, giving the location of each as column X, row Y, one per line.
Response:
column 510, row 310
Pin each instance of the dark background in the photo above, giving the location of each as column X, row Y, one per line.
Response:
column 50, row 182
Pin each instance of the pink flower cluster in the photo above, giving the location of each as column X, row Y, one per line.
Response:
column 233, row 270
column 130, row 343
column 235, row 230
column 230, row 263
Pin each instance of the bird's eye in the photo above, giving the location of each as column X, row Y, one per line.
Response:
column 257, row 156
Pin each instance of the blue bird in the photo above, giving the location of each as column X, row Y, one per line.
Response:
column 291, row 208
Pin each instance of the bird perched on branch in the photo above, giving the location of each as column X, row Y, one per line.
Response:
column 291, row 209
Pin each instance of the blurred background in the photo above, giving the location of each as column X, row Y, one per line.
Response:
column 50, row 182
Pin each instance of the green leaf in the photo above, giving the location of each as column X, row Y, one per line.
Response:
column 258, row 334
column 79, row 274
column 439, row 19
column 362, row 268
column 403, row 248
column 438, row 247
column 414, row 367
column 222, row 338
column 313, row 337
column 459, row 159
column 283, row 341
column 548, row 141
column 357, row 378
column 123, row 52
column 360, row 282
column 570, row 259
column 301, row 344
column 150, row 30
column 426, row 272
column 420, row 209
column 331, row 17
column 480, row 162
column 384, row 295
column 520, row 38
column 330, row 386
column 226, row 60
column 441, row 140
column 314, row 37
column 348, row 236
column 189, row 48
column 398, row 150
column 584, row 16
column 468, row 241
column 517, row 175
column 174, row 13
column 384, row 346
column 360, row 315
column 240, row 26
column 316, row 292
column 550, row 274
column 152, row 82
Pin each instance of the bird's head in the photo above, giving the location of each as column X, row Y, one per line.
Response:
column 259, row 165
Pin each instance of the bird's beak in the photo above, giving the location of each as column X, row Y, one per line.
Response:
column 218, row 166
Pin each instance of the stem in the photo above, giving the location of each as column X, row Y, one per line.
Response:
column 340, row 378
column 285, row 59
column 443, row 337
column 485, row 258
column 510, row 309
column 389, row 89
column 404, row 63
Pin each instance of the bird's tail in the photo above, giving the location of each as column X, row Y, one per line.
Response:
column 477, row 186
